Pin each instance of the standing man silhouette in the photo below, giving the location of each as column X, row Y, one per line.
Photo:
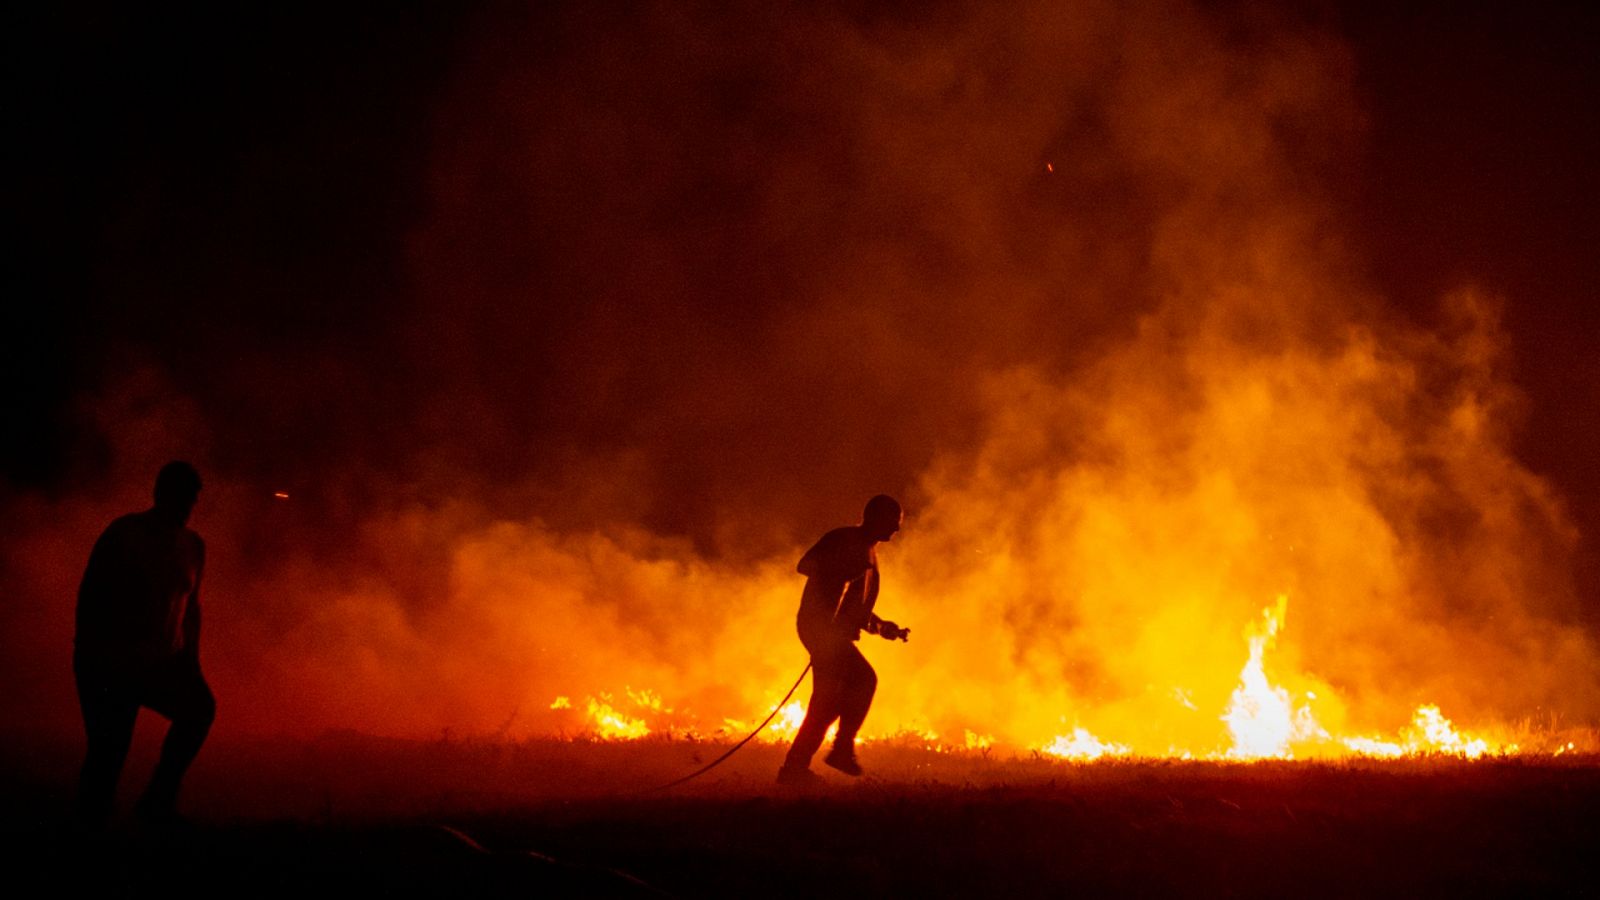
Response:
column 138, row 645
column 841, row 588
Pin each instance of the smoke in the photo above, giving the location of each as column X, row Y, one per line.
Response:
column 693, row 283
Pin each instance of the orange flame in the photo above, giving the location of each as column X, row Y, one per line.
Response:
column 611, row 724
column 1261, row 717
column 1263, row 721
column 1082, row 745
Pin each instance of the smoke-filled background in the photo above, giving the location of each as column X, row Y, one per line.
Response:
column 565, row 329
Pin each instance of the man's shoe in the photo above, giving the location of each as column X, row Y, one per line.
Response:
column 160, row 813
column 798, row 776
column 844, row 759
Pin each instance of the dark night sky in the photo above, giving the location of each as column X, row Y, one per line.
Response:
column 211, row 187
column 1481, row 167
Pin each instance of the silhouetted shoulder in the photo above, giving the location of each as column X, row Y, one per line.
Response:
column 130, row 543
column 842, row 554
column 114, row 542
column 122, row 525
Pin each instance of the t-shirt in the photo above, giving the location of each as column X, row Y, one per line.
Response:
column 142, row 580
column 842, row 578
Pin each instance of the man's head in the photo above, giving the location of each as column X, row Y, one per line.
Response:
column 881, row 518
column 177, row 489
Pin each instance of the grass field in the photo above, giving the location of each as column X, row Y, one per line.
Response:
column 567, row 818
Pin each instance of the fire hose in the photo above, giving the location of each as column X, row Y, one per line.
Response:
column 468, row 841
column 602, row 875
column 735, row 748
column 883, row 629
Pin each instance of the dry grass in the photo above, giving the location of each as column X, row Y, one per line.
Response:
column 362, row 814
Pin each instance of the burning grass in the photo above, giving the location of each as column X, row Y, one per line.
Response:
column 1262, row 720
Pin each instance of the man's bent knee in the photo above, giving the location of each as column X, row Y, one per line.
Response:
column 203, row 710
column 862, row 675
column 190, row 703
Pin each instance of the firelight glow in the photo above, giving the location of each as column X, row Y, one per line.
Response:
column 1263, row 722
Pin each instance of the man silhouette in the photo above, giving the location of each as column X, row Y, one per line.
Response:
column 841, row 588
column 138, row 645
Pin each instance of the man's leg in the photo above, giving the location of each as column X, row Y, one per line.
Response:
column 826, row 689
column 857, row 685
column 183, row 696
column 108, row 719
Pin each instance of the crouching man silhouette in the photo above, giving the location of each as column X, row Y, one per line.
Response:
column 138, row 645
column 836, row 606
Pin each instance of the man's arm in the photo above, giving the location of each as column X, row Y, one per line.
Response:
column 886, row 629
column 852, row 610
column 191, row 613
column 97, row 576
column 191, row 626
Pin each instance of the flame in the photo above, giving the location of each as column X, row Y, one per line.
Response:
column 788, row 720
column 1437, row 734
column 646, row 699
column 1082, row 745
column 1263, row 721
column 1092, row 520
column 611, row 724
column 1432, row 733
column 1377, row 747
column 785, row 722
column 1261, row 718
